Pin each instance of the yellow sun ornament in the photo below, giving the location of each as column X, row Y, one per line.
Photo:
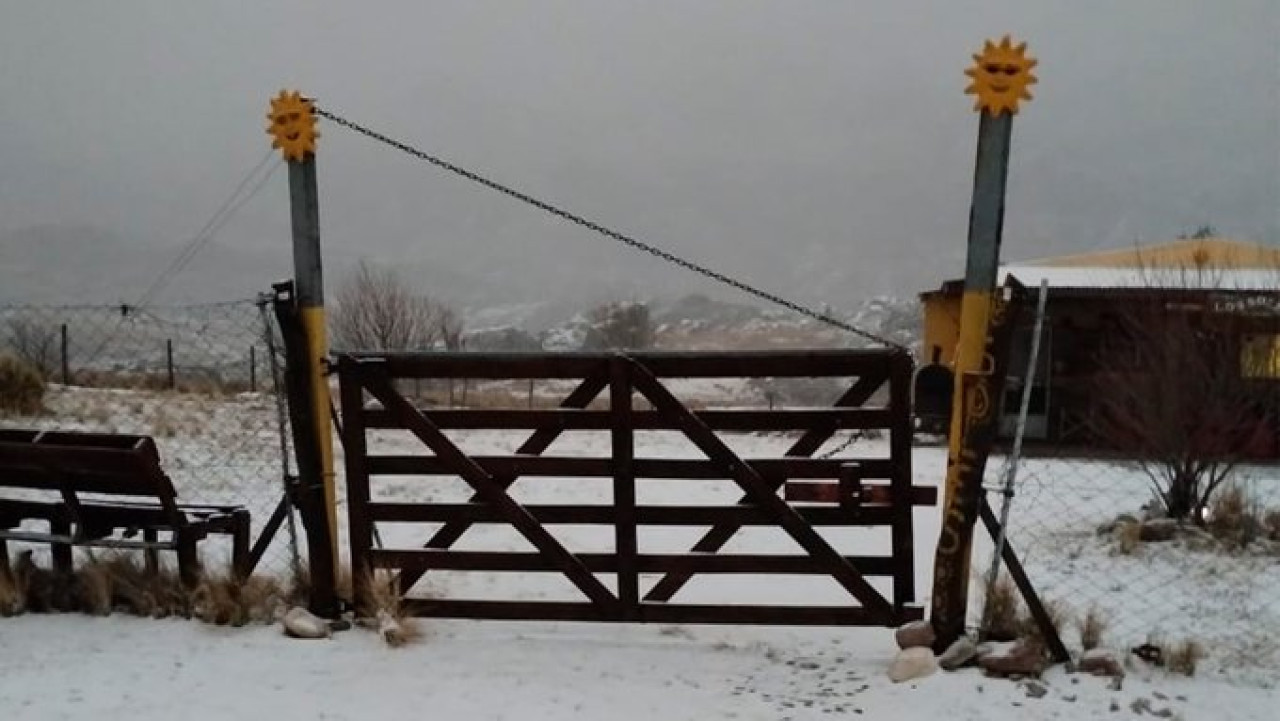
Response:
column 1000, row 77
column 293, row 125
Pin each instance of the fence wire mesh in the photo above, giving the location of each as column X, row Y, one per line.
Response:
column 203, row 380
column 1087, row 533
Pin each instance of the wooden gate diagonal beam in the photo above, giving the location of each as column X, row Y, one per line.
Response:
column 760, row 492
column 536, row 444
column 492, row 492
column 808, row 443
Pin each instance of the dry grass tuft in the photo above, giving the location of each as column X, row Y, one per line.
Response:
column 1001, row 612
column 384, row 603
column 13, row 595
column 1234, row 517
column 1183, row 657
column 1128, row 537
column 96, row 587
column 229, row 601
column 1271, row 524
column 1092, row 628
column 21, row 386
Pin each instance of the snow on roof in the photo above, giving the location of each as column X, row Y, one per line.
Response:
column 1250, row 279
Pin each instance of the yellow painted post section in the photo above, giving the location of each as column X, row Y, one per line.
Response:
column 313, row 322
column 975, row 318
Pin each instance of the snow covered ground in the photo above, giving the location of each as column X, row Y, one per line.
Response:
column 70, row 666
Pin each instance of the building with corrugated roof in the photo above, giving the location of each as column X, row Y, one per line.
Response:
column 1232, row 288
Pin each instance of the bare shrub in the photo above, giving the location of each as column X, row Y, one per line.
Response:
column 1128, row 537
column 1271, row 524
column 375, row 309
column 1092, row 628
column 1172, row 396
column 13, row 595
column 21, row 386
column 35, row 343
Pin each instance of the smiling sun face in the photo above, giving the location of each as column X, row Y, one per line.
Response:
column 293, row 125
column 1000, row 77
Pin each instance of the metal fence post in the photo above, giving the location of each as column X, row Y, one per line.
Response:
column 66, row 359
column 168, row 352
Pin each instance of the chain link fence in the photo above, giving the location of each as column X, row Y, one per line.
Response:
column 205, row 381
column 1086, row 532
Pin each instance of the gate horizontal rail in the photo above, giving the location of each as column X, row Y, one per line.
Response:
column 821, row 492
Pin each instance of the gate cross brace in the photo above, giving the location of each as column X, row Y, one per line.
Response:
column 805, row 446
column 759, row 491
column 537, row 442
column 492, row 491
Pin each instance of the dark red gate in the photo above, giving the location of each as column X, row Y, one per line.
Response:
column 821, row 492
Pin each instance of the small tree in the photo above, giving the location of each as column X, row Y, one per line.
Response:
column 1171, row 394
column 375, row 309
column 620, row 325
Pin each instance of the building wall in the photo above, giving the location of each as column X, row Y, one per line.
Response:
column 941, row 328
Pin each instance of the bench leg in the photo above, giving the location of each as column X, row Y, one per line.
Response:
column 61, row 552
column 151, row 557
column 240, row 544
column 6, row 571
column 188, row 559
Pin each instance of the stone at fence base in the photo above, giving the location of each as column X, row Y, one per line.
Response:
column 1035, row 689
column 1158, row 529
column 958, row 654
column 914, row 635
column 912, row 663
column 1021, row 658
column 1099, row 662
column 300, row 623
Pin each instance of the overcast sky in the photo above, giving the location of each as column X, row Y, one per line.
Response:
column 802, row 144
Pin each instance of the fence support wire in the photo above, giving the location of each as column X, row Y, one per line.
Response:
column 1011, row 467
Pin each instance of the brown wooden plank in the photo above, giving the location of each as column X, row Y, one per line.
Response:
column 678, row 364
column 490, row 490
column 622, row 442
column 360, row 526
column 656, row 468
column 570, row 419
column 806, row 445
column 661, row 613
column 760, row 492
column 535, row 444
column 440, row 559
column 903, row 493
column 741, row 515
column 817, row 492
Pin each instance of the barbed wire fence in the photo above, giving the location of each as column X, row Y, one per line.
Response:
column 205, row 381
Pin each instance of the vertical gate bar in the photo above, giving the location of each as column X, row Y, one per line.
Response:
column 359, row 530
column 904, row 588
column 624, row 484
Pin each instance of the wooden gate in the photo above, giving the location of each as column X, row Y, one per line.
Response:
column 798, row 491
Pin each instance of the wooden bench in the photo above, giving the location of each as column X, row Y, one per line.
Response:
column 103, row 490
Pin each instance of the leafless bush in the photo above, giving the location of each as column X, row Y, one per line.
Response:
column 375, row 309
column 1001, row 612
column 1234, row 518
column 1183, row 657
column 35, row 343
column 1172, row 396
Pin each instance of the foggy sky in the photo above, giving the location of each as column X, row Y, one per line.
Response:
column 821, row 149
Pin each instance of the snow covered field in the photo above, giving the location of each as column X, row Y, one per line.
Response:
column 71, row 666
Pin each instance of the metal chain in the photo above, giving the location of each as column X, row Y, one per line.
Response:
column 608, row 233
column 847, row 444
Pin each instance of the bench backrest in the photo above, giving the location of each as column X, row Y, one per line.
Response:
column 73, row 463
